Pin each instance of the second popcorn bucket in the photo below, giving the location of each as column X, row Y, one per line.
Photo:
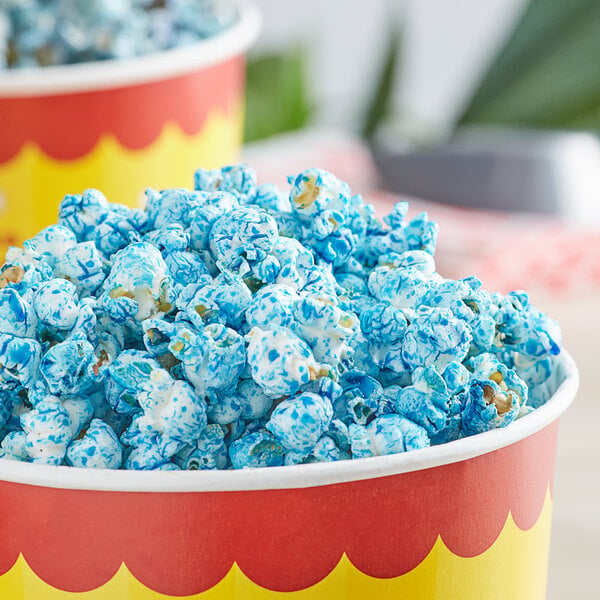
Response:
column 467, row 519
column 119, row 125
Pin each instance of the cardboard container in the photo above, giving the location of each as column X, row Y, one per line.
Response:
column 119, row 125
column 465, row 520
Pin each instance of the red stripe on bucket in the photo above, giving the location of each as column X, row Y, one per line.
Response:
column 185, row 543
column 68, row 126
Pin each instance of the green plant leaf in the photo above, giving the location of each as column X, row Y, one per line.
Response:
column 379, row 106
column 276, row 94
column 548, row 73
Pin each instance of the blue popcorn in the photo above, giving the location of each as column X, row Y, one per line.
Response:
column 360, row 400
column 299, row 422
column 538, row 375
column 67, row 367
column 173, row 241
column 82, row 212
column 421, row 234
column 169, row 207
column 353, row 284
column 99, row 448
column 387, row 434
column 465, row 299
column 267, row 196
column 396, row 236
column 402, row 288
column 321, row 202
column 148, row 452
column 321, row 280
column 340, row 434
column 524, row 329
column 52, row 242
column 81, row 411
column 170, row 408
column 324, row 450
column 56, row 304
column 435, row 337
column 236, row 429
column 212, row 358
column 168, row 239
column 48, row 432
column 202, row 218
column 21, row 273
column 138, row 280
column 316, row 319
column 487, row 406
column 125, row 376
column 19, row 362
column 280, row 362
column 222, row 300
column 314, row 191
column 110, row 226
column 495, row 395
column 488, row 365
column 239, row 180
column 186, row 266
column 7, row 404
column 14, row 446
column 52, row 32
column 207, row 452
column 272, row 305
column 17, row 316
column 326, row 387
column 383, row 323
column 83, row 266
column 245, row 234
column 417, row 261
column 456, row 377
column 327, row 329
column 229, row 328
column 254, row 402
column 259, row 449
column 224, row 408
column 426, row 402
column 157, row 337
column 294, row 264
column 120, row 227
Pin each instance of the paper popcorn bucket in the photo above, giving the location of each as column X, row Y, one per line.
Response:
column 119, row 125
column 465, row 520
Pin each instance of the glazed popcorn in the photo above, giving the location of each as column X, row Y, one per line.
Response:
column 234, row 326
column 53, row 32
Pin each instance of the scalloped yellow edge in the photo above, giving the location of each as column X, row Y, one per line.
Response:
column 514, row 567
column 32, row 183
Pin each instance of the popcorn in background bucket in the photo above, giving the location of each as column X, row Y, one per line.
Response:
column 53, row 32
column 198, row 334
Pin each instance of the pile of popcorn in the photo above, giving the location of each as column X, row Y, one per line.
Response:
column 53, row 32
column 234, row 326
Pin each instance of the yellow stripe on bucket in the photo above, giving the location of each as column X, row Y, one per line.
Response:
column 32, row 184
column 514, row 567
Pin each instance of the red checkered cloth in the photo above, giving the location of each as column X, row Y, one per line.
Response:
column 505, row 250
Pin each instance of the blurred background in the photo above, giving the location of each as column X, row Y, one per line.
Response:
column 491, row 109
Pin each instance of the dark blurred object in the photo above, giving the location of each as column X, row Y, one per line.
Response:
column 548, row 73
column 546, row 78
column 276, row 94
column 502, row 169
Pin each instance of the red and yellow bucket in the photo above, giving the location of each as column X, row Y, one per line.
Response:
column 466, row 520
column 119, row 125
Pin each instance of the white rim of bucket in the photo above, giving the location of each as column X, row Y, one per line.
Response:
column 300, row 476
column 115, row 73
